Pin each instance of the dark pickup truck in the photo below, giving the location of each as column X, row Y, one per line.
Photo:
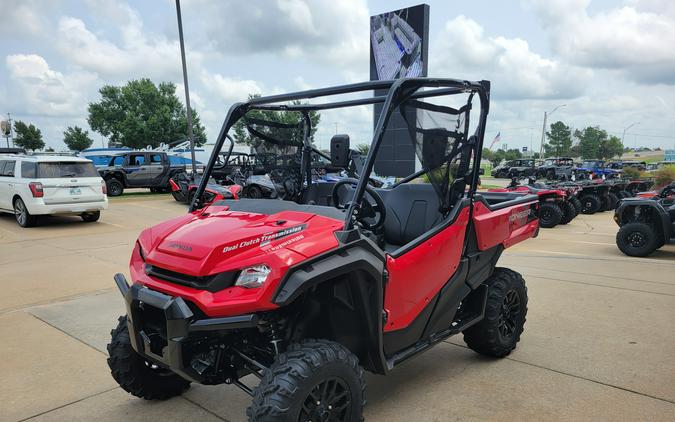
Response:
column 139, row 169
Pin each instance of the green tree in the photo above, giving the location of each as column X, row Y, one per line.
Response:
column 27, row 136
column 499, row 155
column 363, row 149
column 594, row 143
column 559, row 140
column 141, row 113
column 610, row 148
column 77, row 139
column 589, row 141
column 241, row 134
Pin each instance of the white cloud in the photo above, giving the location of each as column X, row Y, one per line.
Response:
column 23, row 17
column 329, row 31
column 230, row 90
column 138, row 54
column 463, row 50
column 637, row 38
column 40, row 90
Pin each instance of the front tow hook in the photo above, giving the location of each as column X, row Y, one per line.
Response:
column 122, row 284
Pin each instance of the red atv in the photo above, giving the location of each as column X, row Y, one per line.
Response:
column 306, row 296
column 555, row 205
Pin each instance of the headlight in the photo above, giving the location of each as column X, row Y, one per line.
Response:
column 253, row 277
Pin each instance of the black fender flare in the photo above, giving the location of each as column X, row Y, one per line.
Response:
column 657, row 208
column 361, row 258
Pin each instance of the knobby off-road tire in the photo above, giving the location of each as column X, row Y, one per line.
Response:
column 590, row 204
column 314, row 380
column 505, row 311
column 569, row 212
column 637, row 239
column 577, row 204
column 135, row 375
column 549, row 215
column 90, row 217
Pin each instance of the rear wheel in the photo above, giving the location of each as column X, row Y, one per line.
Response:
column 550, row 215
column 90, row 217
column 115, row 187
column 590, row 204
column 569, row 212
column 637, row 239
column 23, row 217
column 315, row 380
column 505, row 311
column 613, row 200
column 136, row 375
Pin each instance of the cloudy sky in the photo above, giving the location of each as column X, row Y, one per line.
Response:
column 611, row 63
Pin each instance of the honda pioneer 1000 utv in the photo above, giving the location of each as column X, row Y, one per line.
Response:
column 305, row 294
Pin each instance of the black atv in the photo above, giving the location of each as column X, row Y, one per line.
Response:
column 594, row 196
column 645, row 224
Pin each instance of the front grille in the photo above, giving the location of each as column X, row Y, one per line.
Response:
column 211, row 283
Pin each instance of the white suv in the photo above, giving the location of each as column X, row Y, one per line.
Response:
column 32, row 185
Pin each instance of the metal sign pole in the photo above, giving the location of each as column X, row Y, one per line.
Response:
column 187, row 90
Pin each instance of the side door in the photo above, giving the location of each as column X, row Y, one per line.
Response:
column 157, row 165
column 136, row 169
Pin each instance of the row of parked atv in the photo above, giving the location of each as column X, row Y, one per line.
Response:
column 561, row 201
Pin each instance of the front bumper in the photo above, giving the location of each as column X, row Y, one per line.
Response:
column 160, row 327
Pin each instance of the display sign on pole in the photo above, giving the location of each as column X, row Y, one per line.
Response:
column 399, row 47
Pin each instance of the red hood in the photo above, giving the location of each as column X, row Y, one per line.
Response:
column 221, row 240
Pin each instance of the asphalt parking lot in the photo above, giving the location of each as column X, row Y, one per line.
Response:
column 599, row 342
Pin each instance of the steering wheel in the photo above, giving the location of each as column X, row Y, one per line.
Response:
column 368, row 210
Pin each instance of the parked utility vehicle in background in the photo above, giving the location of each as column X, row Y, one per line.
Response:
column 515, row 168
column 139, row 169
column 34, row 185
column 645, row 224
column 306, row 296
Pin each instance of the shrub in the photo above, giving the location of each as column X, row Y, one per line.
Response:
column 664, row 176
column 631, row 173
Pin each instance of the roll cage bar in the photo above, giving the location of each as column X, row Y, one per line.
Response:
column 399, row 90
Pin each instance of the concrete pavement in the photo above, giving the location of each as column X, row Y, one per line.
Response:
column 599, row 342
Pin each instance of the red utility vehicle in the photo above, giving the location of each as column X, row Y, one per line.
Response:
column 555, row 204
column 307, row 294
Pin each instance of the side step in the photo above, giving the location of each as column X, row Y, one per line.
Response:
column 472, row 312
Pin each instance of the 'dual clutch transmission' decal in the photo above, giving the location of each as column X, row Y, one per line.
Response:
column 265, row 238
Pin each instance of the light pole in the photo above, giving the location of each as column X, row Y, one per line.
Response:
column 187, row 91
column 624, row 132
column 543, row 130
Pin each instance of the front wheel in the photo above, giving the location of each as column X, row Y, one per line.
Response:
column 550, row 215
column 505, row 311
column 136, row 375
column 590, row 204
column 315, row 380
column 637, row 239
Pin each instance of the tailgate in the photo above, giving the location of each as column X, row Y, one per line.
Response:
column 72, row 191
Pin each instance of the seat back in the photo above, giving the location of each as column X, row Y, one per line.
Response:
column 412, row 210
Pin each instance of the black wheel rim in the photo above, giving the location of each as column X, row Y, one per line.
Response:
column 114, row 189
column 545, row 216
column 509, row 314
column 329, row 400
column 637, row 239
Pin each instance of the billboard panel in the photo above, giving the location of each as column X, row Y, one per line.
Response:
column 399, row 43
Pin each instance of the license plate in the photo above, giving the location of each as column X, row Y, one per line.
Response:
column 75, row 191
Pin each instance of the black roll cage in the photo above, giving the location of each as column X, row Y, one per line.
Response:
column 399, row 90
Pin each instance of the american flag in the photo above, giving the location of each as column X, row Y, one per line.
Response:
column 497, row 139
